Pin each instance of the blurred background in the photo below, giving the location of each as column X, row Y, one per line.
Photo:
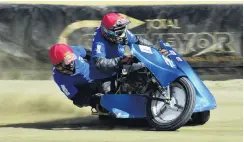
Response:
column 208, row 36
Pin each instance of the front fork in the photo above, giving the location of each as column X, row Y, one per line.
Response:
column 164, row 91
column 167, row 95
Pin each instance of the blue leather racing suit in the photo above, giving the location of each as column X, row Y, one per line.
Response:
column 106, row 56
column 76, row 87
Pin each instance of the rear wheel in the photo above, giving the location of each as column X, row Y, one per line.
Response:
column 171, row 115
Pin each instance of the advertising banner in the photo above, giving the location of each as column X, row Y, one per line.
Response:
column 207, row 36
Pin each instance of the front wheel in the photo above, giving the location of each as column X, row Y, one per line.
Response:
column 173, row 114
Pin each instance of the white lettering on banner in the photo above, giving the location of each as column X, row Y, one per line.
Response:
column 184, row 43
column 217, row 42
column 191, row 42
column 145, row 49
column 153, row 24
column 65, row 90
column 157, row 24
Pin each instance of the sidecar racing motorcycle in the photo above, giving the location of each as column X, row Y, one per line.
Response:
column 166, row 91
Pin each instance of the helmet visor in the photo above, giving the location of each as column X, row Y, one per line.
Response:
column 66, row 68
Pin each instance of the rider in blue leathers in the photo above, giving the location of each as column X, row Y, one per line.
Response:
column 108, row 49
column 74, row 75
column 71, row 72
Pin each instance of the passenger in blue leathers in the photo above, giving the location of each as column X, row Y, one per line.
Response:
column 71, row 72
column 108, row 49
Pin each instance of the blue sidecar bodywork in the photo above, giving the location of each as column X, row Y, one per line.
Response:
column 166, row 71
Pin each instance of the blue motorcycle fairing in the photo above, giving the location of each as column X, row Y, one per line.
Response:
column 204, row 98
column 134, row 106
column 124, row 105
column 164, row 70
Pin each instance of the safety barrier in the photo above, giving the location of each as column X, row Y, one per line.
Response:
column 209, row 37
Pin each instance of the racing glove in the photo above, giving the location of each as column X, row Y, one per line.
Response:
column 126, row 60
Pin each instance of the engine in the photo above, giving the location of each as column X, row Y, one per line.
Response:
column 133, row 83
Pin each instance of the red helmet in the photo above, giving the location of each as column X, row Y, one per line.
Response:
column 114, row 26
column 61, row 52
column 62, row 57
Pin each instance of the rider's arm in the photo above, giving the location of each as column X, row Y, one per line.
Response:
column 64, row 83
column 134, row 39
column 73, row 94
column 68, row 89
column 100, row 60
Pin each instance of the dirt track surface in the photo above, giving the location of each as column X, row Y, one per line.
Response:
column 37, row 111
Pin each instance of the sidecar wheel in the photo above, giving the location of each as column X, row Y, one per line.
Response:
column 107, row 120
column 105, row 117
column 172, row 116
column 200, row 118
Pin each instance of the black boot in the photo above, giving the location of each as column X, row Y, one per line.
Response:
column 95, row 99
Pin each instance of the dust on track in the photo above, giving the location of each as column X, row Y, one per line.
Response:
column 51, row 117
